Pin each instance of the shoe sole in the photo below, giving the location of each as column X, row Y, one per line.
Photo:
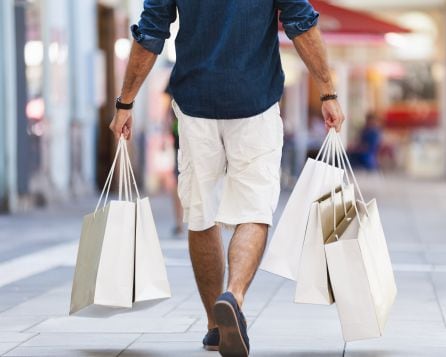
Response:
column 231, row 340
column 210, row 348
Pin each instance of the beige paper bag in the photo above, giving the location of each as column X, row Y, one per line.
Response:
column 361, row 273
column 313, row 285
column 151, row 281
column 105, row 261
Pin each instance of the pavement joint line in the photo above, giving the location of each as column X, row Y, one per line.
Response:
column 437, row 299
column 43, row 319
column 131, row 343
column 192, row 324
column 21, row 343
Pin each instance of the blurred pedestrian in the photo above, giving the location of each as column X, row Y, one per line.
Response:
column 365, row 153
column 172, row 123
column 226, row 85
column 316, row 133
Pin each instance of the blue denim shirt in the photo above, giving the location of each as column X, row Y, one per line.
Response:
column 228, row 64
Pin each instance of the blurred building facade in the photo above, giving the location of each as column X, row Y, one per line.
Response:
column 58, row 79
column 398, row 76
column 50, row 114
column 63, row 63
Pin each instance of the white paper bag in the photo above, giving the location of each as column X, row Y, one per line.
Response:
column 283, row 253
column 150, row 271
column 361, row 274
column 360, row 269
column 313, row 285
column 105, row 261
column 151, row 281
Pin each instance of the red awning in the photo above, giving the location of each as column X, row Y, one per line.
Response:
column 346, row 25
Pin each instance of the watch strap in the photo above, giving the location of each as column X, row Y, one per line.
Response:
column 125, row 106
column 329, row 96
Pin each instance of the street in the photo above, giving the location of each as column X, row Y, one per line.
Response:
column 38, row 252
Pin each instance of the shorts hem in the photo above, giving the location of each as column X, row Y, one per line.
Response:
column 232, row 223
column 199, row 227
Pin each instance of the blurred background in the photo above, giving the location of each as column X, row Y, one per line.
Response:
column 62, row 64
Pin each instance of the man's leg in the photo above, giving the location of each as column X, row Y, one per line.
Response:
column 208, row 262
column 245, row 253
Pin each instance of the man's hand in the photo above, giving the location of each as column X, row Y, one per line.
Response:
column 311, row 49
column 122, row 124
column 140, row 63
column 332, row 113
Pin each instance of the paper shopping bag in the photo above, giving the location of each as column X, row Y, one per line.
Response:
column 104, row 267
column 104, row 271
column 361, row 273
column 285, row 248
column 313, row 285
column 151, row 281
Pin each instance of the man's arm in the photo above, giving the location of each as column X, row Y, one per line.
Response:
column 299, row 21
column 311, row 49
column 140, row 63
column 149, row 34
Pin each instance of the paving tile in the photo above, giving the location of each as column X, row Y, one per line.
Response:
column 7, row 346
column 288, row 351
column 15, row 336
column 18, row 323
column 116, row 324
column 74, row 344
column 398, row 257
column 295, row 330
column 81, row 340
column 49, row 304
column 417, row 338
column 200, row 325
column 171, row 337
column 398, row 351
column 414, row 224
column 64, row 351
column 416, row 299
column 166, row 349
column 436, row 257
column 300, row 312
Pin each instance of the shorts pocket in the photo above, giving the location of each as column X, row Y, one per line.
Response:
column 184, row 179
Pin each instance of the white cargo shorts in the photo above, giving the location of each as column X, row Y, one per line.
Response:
column 229, row 169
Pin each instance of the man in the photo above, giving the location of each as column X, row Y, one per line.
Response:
column 226, row 85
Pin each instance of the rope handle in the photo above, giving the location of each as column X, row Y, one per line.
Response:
column 108, row 181
column 126, row 176
column 346, row 166
column 328, row 155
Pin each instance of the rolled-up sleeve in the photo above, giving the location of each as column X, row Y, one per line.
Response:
column 153, row 27
column 297, row 16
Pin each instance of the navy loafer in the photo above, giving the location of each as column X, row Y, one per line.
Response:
column 211, row 340
column 234, row 341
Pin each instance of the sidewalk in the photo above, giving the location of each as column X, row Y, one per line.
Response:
column 38, row 250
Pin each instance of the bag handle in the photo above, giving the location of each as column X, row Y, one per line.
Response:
column 348, row 169
column 125, row 171
column 130, row 173
column 336, row 163
column 346, row 166
column 108, row 181
column 328, row 156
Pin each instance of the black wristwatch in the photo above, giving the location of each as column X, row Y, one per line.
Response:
column 125, row 106
column 329, row 96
